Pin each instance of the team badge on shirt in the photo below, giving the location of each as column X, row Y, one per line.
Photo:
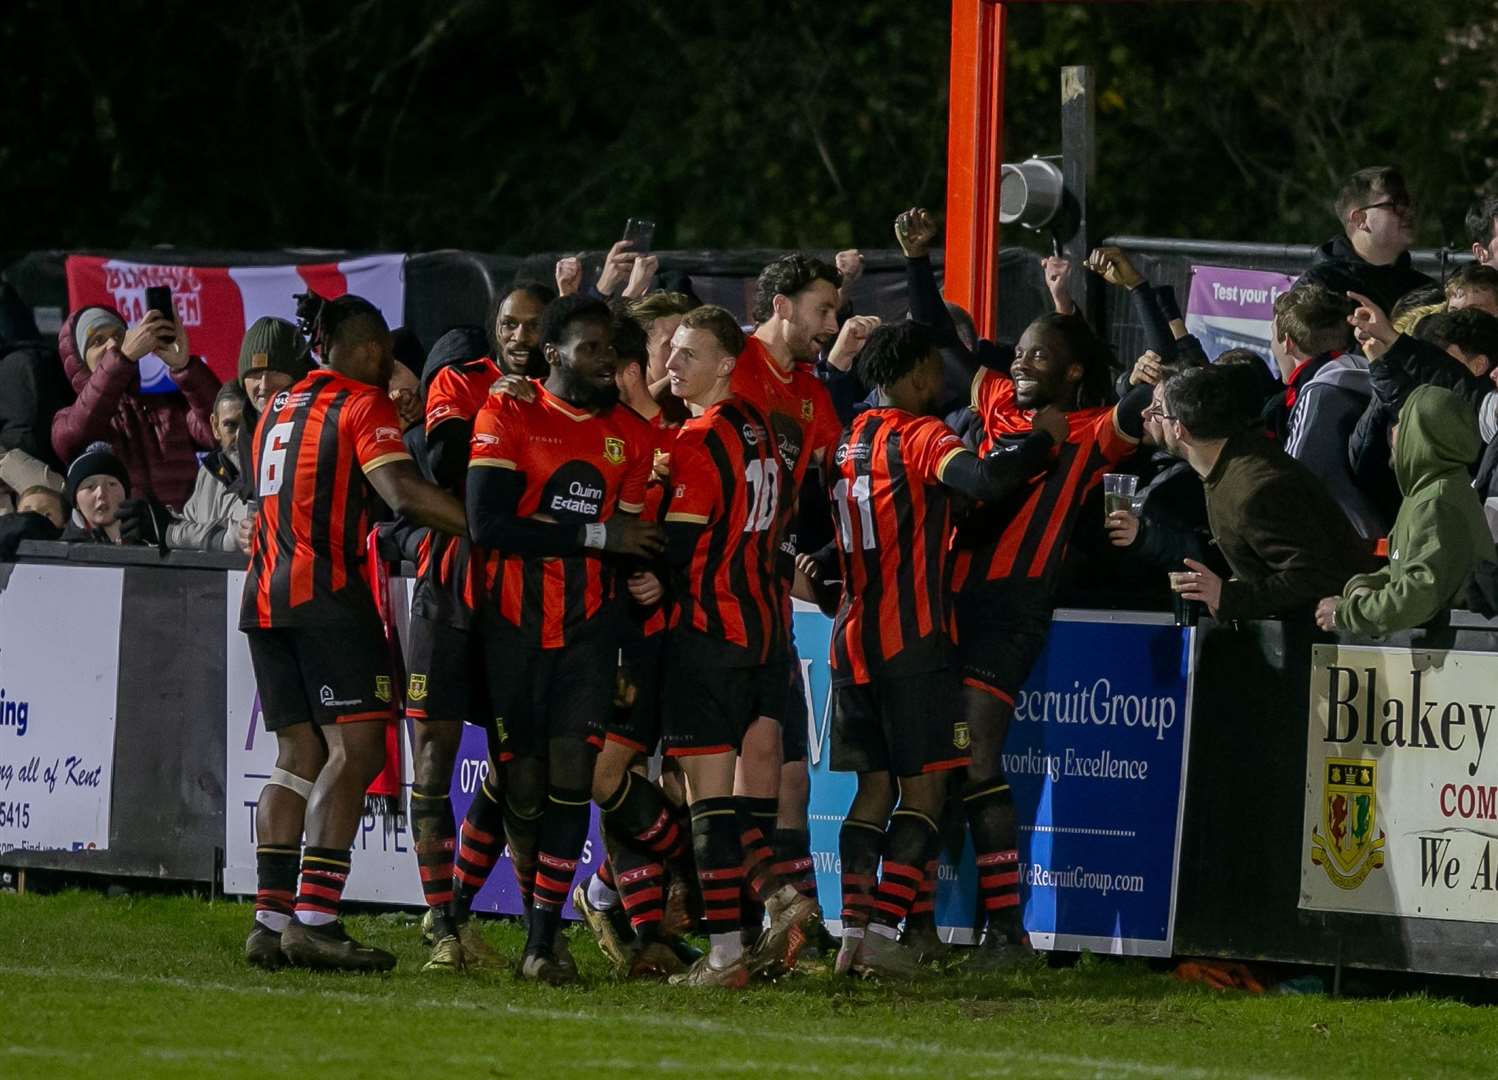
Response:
column 613, row 450
column 416, row 688
column 961, row 738
column 382, row 687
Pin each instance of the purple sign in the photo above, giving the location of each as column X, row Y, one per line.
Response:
column 500, row 895
column 1232, row 308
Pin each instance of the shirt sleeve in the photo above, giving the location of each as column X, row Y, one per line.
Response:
column 696, row 494
column 373, row 422
column 825, row 430
column 494, row 433
column 928, row 446
column 637, row 472
column 443, row 399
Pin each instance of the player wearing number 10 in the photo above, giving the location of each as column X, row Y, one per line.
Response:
column 323, row 450
column 727, row 661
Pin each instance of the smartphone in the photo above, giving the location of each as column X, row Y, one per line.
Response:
column 159, row 298
column 638, row 234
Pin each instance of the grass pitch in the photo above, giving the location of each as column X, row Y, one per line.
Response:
column 155, row 987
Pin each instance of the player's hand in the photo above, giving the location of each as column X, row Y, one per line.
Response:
column 849, row 263
column 515, row 386
column 569, row 273
column 631, row 536
column 1057, row 270
column 147, row 336
column 1368, row 319
column 1052, row 421
column 616, row 267
column 808, row 565
column 1114, row 267
column 641, row 274
column 1198, row 583
column 914, row 231
column 660, row 465
column 625, row 690
column 1326, row 612
column 1122, row 528
column 645, row 588
column 1147, row 369
column 851, row 340
column 246, row 532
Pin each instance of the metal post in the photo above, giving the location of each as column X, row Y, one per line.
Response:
column 1078, row 167
column 975, row 152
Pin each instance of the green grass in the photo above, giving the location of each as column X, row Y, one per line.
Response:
column 155, row 986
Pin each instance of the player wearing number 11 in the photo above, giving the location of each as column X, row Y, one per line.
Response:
column 324, row 449
column 897, row 703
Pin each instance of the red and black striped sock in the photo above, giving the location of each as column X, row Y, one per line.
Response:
column 479, row 846
column 793, row 861
column 434, row 837
column 990, row 812
column 564, row 830
column 924, row 908
column 605, row 873
column 720, row 862
column 642, row 890
column 276, row 869
column 909, row 843
column 640, row 815
column 756, row 818
column 523, row 834
column 860, row 845
column 324, row 875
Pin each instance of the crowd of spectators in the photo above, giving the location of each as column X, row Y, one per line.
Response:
column 1350, row 475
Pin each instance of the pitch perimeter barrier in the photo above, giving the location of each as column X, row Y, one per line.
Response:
column 1256, row 791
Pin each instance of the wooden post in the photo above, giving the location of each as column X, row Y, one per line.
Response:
column 1078, row 167
column 975, row 152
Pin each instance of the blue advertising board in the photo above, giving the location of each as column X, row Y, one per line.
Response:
column 1096, row 757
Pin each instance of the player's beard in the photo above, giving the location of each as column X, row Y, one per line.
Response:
column 596, row 396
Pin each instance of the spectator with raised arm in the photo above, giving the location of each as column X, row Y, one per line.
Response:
column 157, row 436
column 1440, row 536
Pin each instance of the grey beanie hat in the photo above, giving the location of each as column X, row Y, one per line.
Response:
column 90, row 320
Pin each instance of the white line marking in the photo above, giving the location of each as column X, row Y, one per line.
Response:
column 998, row 1062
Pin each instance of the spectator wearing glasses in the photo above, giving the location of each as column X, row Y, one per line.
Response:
column 1372, row 256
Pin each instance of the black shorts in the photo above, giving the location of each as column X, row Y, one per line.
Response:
column 902, row 725
column 708, row 707
column 1002, row 627
column 636, row 720
column 445, row 673
column 542, row 694
column 793, row 741
column 321, row 674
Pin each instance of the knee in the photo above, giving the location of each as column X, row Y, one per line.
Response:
column 433, row 749
column 924, row 794
column 795, row 782
column 303, row 756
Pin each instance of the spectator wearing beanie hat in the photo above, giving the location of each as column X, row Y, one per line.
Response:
column 273, row 357
column 156, row 436
column 98, row 485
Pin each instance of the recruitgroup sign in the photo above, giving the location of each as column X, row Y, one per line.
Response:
column 1096, row 758
column 1401, row 810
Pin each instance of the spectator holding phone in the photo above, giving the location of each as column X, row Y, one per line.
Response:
column 156, row 436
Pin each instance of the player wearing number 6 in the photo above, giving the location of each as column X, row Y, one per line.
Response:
column 324, row 449
column 897, row 706
column 727, row 661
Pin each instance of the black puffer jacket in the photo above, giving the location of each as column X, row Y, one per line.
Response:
column 1341, row 269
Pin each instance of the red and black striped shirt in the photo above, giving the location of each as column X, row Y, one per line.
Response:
column 727, row 477
column 456, row 394
column 893, row 531
column 1034, row 526
column 313, row 447
column 657, row 619
column 579, row 467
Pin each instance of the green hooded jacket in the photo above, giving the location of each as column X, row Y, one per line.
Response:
column 1440, row 534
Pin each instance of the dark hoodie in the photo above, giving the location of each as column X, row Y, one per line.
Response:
column 156, row 435
column 1339, row 267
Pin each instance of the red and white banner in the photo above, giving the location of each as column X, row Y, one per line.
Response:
column 218, row 303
